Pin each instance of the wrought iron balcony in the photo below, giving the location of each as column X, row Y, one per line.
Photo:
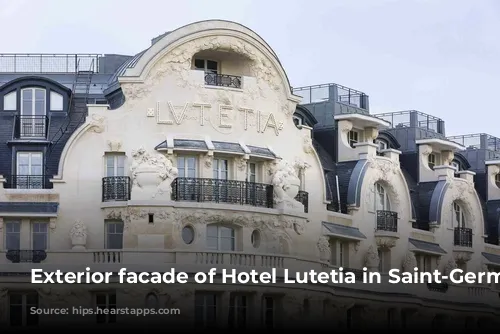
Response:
column 463, row 237
column 30, row 127
column 224, row 80
column 222, row 191
column 303, row 197
column 22, row 255
column 27, row 182
column 116, row 188
column 387, row 221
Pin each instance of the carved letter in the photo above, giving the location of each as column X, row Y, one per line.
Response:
column 224, row 115
column 202, row 110
column 271, row 122
column 246, row 111
column 178, row 118
column 158, row 116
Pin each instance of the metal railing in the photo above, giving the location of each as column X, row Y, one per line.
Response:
column 477, row 141
column 46, row 63
column 224, row 80
column 387, row 221
column 116, row 188
column 331, row 91
column 22, row 255
column 403, row 119
column 303, row 197
column 463, row 237
column 222, row 191
column 31, row 127
column 27, row 182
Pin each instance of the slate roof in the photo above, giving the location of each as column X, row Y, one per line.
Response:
column 342, row 230
column 427, row 246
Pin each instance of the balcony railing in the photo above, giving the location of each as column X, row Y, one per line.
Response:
column 27, row 182
column 116, row 188
column 387, row 221
column 47, row 63
column 222, row 191
column 224, row 80
column 413, row 119
column 463, row 237
column 22, row 255
column 30, row 127
column 303, row 197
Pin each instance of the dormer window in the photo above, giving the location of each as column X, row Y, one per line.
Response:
column 432, row 161
column 10, row 101
column 353, row 137
column 381, row 145
column 209, row 66
column 456, row 165
column 497, row 180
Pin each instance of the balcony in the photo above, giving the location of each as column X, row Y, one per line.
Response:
column 222, row 191
column 303, row 197
column 463, row 237
column 222, row 80
column 31, row 127
column 47, row 63
column 387, row 221
column 116, row 188
column 23, row 256
column 415, row 119
column 27, row 182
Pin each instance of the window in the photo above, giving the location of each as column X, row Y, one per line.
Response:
column 29, row 170
column 497, row 180
column 458, row 216
column 382, row 202
column 13, row 236
column 340, row 253
column 352, row 138
column 251, row 172
column 205, row 310
column 255, row 238
column 19, row 309
column 382, row 145
column 115, row 165
column 188, row 234
column 269, row 312
column 114, row 235
column 209, row 66
column 220, row 169
column 424, row 262
column 40, row 236
column 220, row 238
column 33, row 112
column 432, row 161
column 187, row 166
column 384, row 256
column 56, row 101
column 105, row 301
column 238, row 311
column 456, row 165
column 10, row 101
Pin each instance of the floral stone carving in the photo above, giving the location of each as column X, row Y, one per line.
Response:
column 324, row 248
column 286, row 185
column 78, row 235
column 152, row 175
column 410, row 262
column 372, row 260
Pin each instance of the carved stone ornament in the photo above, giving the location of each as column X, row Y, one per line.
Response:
column 241, row 164
column 410, row 262
column 131, row 213
column 307, row 144
column 447, row 157
column 177, row 65
column 385, row 242
column 464, row 193
column 371, row 259
column 450, row 265
column 345, row 126
column 324, row 248
column 425, row 150
column 97, row 123
column 78, row 235
column 152, row 175
column 462, row 257
column 115, row 145
column 387, row 168
column 209, row 159
column 286, row 185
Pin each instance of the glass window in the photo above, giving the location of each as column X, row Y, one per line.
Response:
column 382, row 202
column 251, row 172
column 40, row 236
column 187, row 166
column 13, row 236
column 114, row 235
column 33, row 102
column 56, row 101
column 220, row 169
column 432, row 161
column 220, row 238
column 206, row 310
column 458, row 216
column 352, row 138
column 115, row 164
column 19, row 309
column 105, row 301
column 209, row 66
column 237, row 311
column 10, row 101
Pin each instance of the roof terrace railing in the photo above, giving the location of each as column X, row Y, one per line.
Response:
column 48, row 63
column 328, row 92
column 412, row 118
column 478, row 141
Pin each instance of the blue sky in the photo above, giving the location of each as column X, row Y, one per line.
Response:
column 441, row 57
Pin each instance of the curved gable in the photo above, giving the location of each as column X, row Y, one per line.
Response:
column 462, row 160
column 35, row 81
column 390, row 139
column 306, row 116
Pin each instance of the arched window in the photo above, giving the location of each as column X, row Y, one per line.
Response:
column 458, row 216
column 221, row 238
column 151, row 301
column 497, row 180
column 456, row 165
column 382, row 202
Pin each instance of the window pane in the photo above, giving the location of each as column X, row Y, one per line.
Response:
column 211, row 66
column 212, row 230
column 39, row 241
column 40, row 108
column 56, row 101
column 199, row 64
column 226, row 232
column 212, row 243
column 10, row 101
column 27, row 95
column 115, row 241
column 227, row 244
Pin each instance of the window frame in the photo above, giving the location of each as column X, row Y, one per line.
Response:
column 45, row 233
column 353, row 137
column 6, row 233
column 107, row 234
column 458, row 209
column 109, row 318
column 186, row 170
column 205, row 65
column 432, row 162
column 220, row 237
column 25, row 307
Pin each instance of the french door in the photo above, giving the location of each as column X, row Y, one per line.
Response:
column 220, row 175
column 188, row 187
column 29, row 170
column 33, row 112
column 115, row 173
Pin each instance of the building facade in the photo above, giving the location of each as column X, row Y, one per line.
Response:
column 196, row 153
